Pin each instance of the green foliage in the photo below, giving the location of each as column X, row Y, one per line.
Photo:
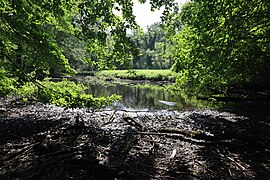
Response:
column 7, row 84
column 64, row 93
column 153, row 46
column 27, row 41
column 215, row 44
column 27, row 90
column 138, row 74
column 221, row 43
column 35, row 41
column 36, row 36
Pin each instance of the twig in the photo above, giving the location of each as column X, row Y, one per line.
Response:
column 132, row 122
column 124, row 110
column 111, row 118
column 237, row 164
column 173, row 154
column 178, row 136
column 56, row 153
column 205, row 167
column 191, row 133
column 14, row 155
column 167, row 177
column 134, row 111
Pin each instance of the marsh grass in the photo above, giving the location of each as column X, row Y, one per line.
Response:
column 138, row 74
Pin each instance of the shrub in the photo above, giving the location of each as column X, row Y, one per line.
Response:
column 64, row 93
column 7, row 84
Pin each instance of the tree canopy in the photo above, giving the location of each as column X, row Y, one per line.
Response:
column 30, row 32
column 37, row 39
column 214, row 44
column 34, row 37
column 221, row 43
column 152, row 45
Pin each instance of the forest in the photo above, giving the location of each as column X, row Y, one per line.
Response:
column 212, row 51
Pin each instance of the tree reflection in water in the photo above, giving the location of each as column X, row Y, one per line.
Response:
column 139, row 97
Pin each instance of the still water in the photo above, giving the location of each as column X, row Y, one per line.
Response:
column 140, row 96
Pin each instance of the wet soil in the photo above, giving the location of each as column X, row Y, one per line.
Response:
column 39, row 141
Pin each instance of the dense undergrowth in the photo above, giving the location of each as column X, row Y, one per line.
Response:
column 65, row 93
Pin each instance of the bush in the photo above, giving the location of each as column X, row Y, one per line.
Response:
column 64, row 93
column 7, row 84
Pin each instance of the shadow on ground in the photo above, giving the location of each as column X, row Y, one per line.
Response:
column 47, row 142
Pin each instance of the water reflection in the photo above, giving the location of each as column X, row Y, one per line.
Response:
column 139, row 97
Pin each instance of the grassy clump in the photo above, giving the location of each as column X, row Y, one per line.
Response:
column 139, row 74
column 64, row 93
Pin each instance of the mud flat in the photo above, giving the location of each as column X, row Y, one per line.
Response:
column 39, row 141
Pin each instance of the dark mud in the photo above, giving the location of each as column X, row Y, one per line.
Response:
column 40, row 141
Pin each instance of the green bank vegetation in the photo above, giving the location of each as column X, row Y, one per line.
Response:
column 211, row 46
column 65, row 93
column 221, row 44
column 138, row 74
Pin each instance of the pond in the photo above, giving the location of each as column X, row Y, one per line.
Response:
column 139, row 94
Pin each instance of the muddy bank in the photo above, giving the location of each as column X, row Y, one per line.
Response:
column 47, row 142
